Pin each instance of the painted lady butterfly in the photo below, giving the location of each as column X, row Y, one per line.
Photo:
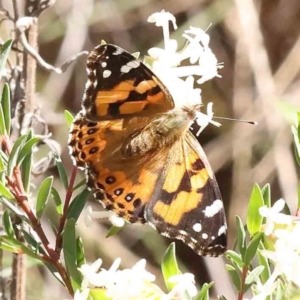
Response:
column 141, row 160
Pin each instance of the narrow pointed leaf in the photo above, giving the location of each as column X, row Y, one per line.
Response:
column 266, row 273
column 69, row 118
column 235, row 277
column 253, row 275
column 7, row 223
column 26, row 149
column 5, row 103
column 4, row 51
column 252, row 248
column 80, row 253
column 254, row 219
column 57, row 201
column 78, row 204
column 18, row 246
column 62, row 171
column 202, row 295
column 169, row 266
column 12, row 160
column 70, row 255
column 5, row 192
column 241, row 239
column 266, row 192
column 236, row 258
column 26, row 171
column 43, row 196
column 2, row 123
column 14, row 209
column 113, row 231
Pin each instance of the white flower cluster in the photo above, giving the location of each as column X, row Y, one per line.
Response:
column 131, row 284
column 166, row 65
column 283, row 236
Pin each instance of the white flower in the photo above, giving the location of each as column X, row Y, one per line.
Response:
column 131, row 284
column 89, row 273
column 185, row 283
column 81, row 295
column 166, row 64
column 89, row 214
column 273, row 216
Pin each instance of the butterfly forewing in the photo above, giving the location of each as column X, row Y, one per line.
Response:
column 119, row 85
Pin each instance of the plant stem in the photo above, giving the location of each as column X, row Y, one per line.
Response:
column 244, row 274
column 65, row 210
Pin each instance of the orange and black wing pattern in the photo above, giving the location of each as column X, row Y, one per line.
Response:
column 119, row 85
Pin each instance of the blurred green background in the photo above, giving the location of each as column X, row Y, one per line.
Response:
column 258, row 41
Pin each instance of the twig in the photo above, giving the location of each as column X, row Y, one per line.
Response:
column 244, row 274
column 22, row 200
column 30, row 50
column 2, row 283
column 65, row 211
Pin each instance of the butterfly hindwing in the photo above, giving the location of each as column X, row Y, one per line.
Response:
column 119, row 85
column 186, row 203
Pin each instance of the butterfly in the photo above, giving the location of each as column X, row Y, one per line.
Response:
column 141, row 160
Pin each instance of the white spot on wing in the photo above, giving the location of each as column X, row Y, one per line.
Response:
column 134, row 64
column 103, row 64
column 106, row 73
column 197, row 227
column 213, row 209
column 125, row 69
column 221, row 230
column 204, row 236
column 118, row 51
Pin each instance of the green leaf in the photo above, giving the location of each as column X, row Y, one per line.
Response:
column 2, row 122
column 70, row 255
column 77, row 205
column 113, row 231
column 203, row 294
column 266, row 192
column 222, row 298
column 80, row 184
column 253, row 275
column 80, row 253
column 265, row 275
column 5, row 103
column 12, row 160
column 4, row 192
column 61, row 171
column 254, row 219
column 235, row 277
column 26, row 149
column 241, row 238
column 169, row 266
column 14, row 209
column 69, row 118
column 7, row 223
column 236, row 258
column 4, row 51
column 26, row 171
column 252, row 248
column 17, row 246
column 43, row 196
column 57, row 201
column 296, row 144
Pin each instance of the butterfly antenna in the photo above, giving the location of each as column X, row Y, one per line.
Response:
column 237, row 120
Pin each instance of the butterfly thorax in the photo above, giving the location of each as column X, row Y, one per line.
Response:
column 161, row 133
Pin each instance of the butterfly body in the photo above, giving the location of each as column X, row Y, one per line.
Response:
column 141, row 160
